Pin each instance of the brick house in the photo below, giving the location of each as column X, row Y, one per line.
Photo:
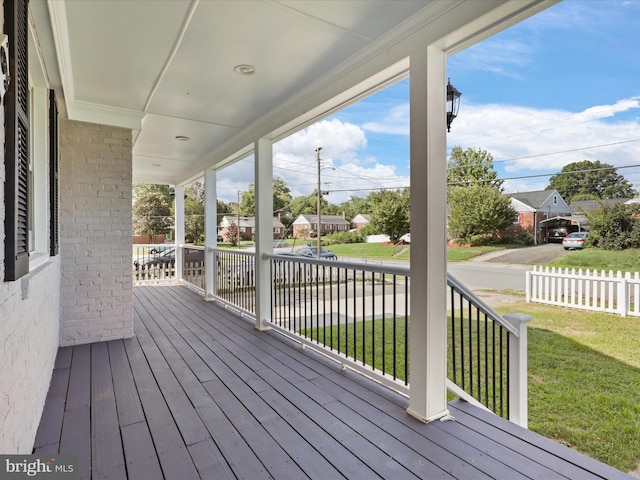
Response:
column 360, row 221
column 534, row 207
column 305, row 226
column 247, row 225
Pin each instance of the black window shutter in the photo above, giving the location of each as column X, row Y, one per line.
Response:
column 53, row 174
column 17, row 142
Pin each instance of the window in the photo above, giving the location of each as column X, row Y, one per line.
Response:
column 17, row 144
column 555, row 199
column 31, row 156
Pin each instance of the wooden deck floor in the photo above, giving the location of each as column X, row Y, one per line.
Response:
column 199, row 393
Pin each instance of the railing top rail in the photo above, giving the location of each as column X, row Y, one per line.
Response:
column 191, row 246
column 369, row 267
column 480, row 304
column 151, row 245
column 231, row 251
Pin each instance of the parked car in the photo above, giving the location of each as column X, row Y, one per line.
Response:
column 219, row 239
column 312, row 252
column 161, row 248
column 167, row 258
column 557, row 234
column 574, row 240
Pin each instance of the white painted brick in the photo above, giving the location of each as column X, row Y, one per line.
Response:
column 95, row 166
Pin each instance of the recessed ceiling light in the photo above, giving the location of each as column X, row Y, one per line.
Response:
column 155, row 164
column 244, row 69
column 182, row 138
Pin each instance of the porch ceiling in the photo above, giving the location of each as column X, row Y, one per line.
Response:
column 166, row 69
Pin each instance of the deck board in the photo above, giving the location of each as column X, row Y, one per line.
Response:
column 200, row 393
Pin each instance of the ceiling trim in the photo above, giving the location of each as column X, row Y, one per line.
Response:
column 104, row 114
column 78, row 110
column 59, row 30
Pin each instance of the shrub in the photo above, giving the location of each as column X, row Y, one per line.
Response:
column 342, row 238
column 526, row 239
column 615, row 228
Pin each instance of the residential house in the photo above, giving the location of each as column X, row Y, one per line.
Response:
column 535, row 207
column 106, row 93
column 581, row 207
column 247, row 226
column 306, row 226
column 360, row 221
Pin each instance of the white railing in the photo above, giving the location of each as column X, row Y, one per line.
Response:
column 328, row 305
column 153, row 264
column 587, row 290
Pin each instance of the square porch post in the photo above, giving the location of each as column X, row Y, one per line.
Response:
column 263, row 164
column 428, row 325
column 210, row 233
column 179, row 198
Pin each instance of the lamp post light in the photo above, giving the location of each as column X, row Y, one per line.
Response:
column 453, row 103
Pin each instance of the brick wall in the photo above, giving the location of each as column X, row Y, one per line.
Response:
column 95, row 233
column 28, row 345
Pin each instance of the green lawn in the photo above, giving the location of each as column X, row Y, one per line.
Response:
column 584, row 377
column 367, row 250
column 380, row 251
column 625, row 260
column 584, row 381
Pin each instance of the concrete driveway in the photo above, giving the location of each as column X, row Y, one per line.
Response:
column 536, row 255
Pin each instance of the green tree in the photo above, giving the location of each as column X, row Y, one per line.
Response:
column 152, row 215
column 476, row 203
column 590, row 180
column 356, row 205
column 390, row 212
column 165, row 191
column 478, row 210
column 281, row 197
column 615, row 227
column 194, row 213
column 471, row 166
column 307, row 205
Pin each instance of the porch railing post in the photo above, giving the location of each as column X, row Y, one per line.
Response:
column 263, row 165
column 179, row 198
column 210, row 233
column 518, row 392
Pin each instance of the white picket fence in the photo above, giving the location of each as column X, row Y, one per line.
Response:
column 588, row 290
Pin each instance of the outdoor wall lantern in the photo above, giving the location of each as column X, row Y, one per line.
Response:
column 453, row 103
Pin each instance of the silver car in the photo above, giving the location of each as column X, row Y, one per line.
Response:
column 574, row 240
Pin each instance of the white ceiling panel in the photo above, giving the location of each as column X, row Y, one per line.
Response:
column 288, row 50
column 118, row 48
column 165, row 67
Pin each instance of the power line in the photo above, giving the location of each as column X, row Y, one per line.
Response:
column 568, row 151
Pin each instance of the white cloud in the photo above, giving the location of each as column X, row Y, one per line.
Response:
column 527, row 140
column 395, row 123
column 294, row 160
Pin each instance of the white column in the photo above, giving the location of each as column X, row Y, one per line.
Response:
column 210, row 233
column 179, row 192
column 263, row 165
column 428, row 341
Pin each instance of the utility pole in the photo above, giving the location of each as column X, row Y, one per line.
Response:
column 319, row 229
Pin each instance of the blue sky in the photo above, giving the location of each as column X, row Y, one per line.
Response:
column 560, row 87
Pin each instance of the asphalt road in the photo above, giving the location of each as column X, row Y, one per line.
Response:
column 504, row 270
